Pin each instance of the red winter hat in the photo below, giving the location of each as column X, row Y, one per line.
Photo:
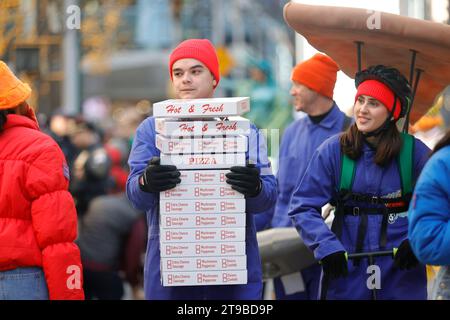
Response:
column 199, row 49
column 382, row 93
column 317, row 73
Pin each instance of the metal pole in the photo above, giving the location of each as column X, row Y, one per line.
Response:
column 404, row 7
column 413, row 64
column 448, row 10
column 370, row 254
column 359, row 53
column 411, row 79
column 416, row 84
column 218, row 23
column 71, row 85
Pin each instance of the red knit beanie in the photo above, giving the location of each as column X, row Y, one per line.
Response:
column 382, row 93
column 199, row 49
column 317, row 73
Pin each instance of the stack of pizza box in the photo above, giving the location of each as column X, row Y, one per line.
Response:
column 202, row 220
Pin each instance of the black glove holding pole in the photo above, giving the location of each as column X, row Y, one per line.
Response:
column 245, row 180
column 158, row 178
column 404, row 258
column 335, row 265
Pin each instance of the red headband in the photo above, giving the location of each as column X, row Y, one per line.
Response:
column 382, row 93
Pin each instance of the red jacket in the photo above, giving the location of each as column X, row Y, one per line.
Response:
column 38, row 220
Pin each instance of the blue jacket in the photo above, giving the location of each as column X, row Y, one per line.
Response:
column 142, row 151
column 262, row 220
column 320, row 185
column 300, row 140
column 429, row 212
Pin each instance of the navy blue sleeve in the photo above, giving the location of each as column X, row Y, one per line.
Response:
column 316, row 189
column 142, row 151
column 262, row 220
column 257, row 153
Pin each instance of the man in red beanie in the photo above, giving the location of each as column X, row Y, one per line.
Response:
column 313, row 83
column 194, row 70
column 184, row 58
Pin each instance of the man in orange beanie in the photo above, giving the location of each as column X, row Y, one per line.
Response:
column 38, row 221
column 194, row 70
column 313, row 83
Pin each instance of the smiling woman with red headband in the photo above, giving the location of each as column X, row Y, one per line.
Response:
column 368, row 173
column 38, row 222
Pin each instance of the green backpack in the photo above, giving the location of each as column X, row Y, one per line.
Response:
column 404, row 160
column 396, row 205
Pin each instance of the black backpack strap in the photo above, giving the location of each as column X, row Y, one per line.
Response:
column 361, row 235
column 383, row 230
column 348, row 169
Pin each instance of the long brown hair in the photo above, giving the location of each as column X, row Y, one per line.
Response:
column 445, row 141
column 4, row 113
column 388, row 146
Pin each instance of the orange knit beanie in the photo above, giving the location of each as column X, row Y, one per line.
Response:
column 12, row 91
column 317, row 73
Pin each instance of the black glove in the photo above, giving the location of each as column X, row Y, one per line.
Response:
column 405, row 258
column 157, row 178
column 335, row 265
column 245, row 180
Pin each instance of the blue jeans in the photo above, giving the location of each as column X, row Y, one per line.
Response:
column 23, row 284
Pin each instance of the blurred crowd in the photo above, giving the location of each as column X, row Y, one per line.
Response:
column 112, row 235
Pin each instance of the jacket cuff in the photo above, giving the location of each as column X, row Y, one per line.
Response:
column 259, row 203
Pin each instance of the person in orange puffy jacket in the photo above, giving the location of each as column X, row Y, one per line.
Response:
column 38, row 220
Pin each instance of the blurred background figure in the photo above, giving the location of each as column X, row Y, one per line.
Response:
column 261, row 89
column 118, row 172
column 112, row 242
column 59, row 127
column 113, row 235
column 91, row 168
column 429, row 129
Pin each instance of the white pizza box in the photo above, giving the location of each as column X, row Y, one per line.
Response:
column 206, row 249
column 199, row 191
column 201, row 108
column 231, row 144
column 182, row 221
column 202, row 206
column 203, row 278
column 203, row 177
column 204, row 263
column 202, row 235
column 216, row 127
column 203, row 161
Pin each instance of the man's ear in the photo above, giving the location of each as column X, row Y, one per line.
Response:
column 214, row 82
